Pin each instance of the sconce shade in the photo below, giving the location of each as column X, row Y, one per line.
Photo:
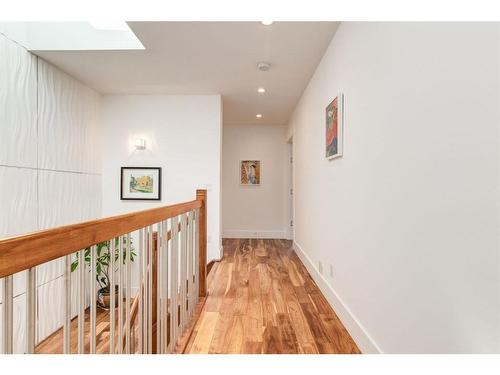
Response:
column 140, row 144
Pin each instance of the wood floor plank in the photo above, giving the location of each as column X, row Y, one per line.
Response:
column 271, row 341
column 236, row 337
column 252, row 347
column 307, row 348
column 261, row 299
column 253, row 329
column 300, row 326
column 337, row 335
column 203, row 337
column 222, row 330
column 288, row 340
column 254, row 309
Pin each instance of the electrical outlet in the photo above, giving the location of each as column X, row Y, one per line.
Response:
column 331, row 271
column 209, row 238
column 320, row 267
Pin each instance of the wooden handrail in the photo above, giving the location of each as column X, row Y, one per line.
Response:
column 29, row 250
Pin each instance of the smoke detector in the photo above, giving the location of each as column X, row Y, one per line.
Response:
column 263, row 66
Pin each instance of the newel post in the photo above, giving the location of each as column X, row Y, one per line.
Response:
column 201, row 195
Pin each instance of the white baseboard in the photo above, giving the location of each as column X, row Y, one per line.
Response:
column 278, row 234
column 359, row 334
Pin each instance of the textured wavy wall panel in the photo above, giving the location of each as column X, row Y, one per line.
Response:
column 56, row 134
column 50, row 309
column 60, row 204
column 18, row 205
column 18, row 201
column 61, row 196
column 91, row 196
column 74, row 292
column 17, row 105
column 67, row 121
column 65, row 198
column 19, row 327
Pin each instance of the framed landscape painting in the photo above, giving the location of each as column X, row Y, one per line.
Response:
column 140, row 183
column 334, row 127
column 249, row 172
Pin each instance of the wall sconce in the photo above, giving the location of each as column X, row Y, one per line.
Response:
column 140, row 144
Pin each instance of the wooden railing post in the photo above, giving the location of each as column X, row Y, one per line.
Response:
column 201, row 195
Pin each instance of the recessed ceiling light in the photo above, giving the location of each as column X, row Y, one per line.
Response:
column 267, row 23
column 261, row 90
column 258, row 115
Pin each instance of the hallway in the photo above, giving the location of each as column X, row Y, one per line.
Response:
column 261, row 299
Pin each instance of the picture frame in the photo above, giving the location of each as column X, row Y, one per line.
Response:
column 334, row 128
column 140, row 183
column 250, row 172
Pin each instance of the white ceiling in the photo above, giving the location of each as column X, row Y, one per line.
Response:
column 210, row 58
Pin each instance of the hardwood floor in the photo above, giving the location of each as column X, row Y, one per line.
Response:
column 261, row 299
column 54, row 343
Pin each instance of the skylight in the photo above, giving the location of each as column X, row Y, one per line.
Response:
column 72, row 36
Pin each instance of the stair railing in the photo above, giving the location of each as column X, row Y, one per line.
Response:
column 171, row 267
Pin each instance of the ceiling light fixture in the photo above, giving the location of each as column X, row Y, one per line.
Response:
column 263, row 66
column 258, row 115
column 267, row 23
column 261, row 90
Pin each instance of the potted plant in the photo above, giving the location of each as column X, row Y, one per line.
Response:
column 103, row 264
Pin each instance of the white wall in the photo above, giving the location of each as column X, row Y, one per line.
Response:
column 255, row 211
column 49, row 167
column 183, row 137
column 409, row 216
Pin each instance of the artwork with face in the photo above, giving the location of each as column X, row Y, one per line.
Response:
column 334, row 127
column 250, row 172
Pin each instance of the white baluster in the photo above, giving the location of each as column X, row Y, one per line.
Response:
column 183, row 266
column 140, row 257
column 67, row 306
column 145, row 290
column 93, row 299
column 81, row 301
column 174, row 267
column 30, row 310
column 164, row 284
column 7, row 315
column 150, row 289
column 128, row 248
column 120, row 295
column 190, row 263
column 159, row 281
column 168, row 288
column 112, row 295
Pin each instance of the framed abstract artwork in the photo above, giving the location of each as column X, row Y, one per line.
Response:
column 140, row 183
column 334, row 128
column 249, row 172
